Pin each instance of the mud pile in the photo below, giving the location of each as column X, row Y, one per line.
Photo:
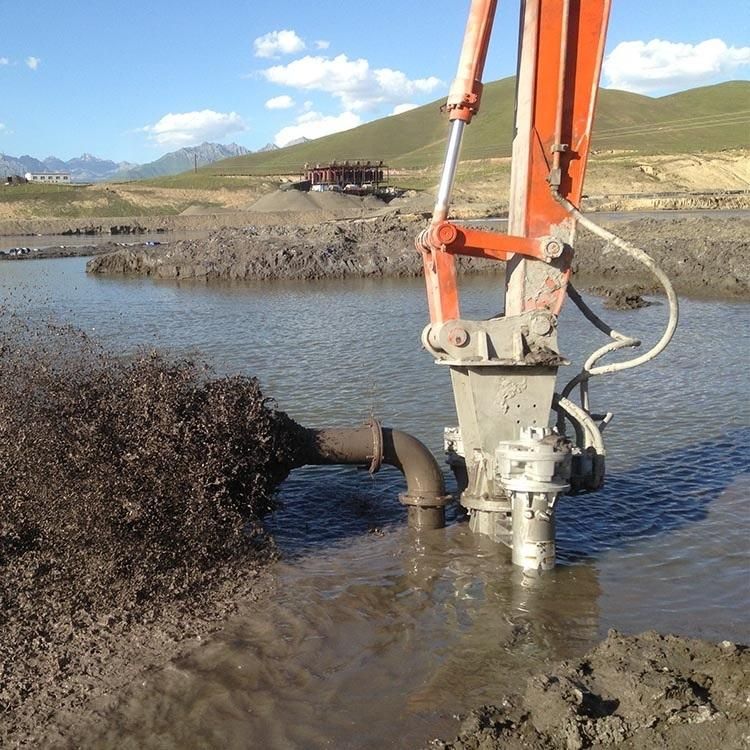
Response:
column 703, row 256
column 381, row 246
column 630, row 692
column 706, row 255
column 130, row 492
column 329, row 204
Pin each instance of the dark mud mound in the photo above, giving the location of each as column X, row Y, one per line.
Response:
column 635, row 692
column 377, row 247
column 128, row 489
column 703, row 256
column 626, row 298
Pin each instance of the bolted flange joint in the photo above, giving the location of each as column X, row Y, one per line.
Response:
column 425, row 511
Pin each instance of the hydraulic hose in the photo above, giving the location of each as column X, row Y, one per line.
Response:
column 584, row 419
column 589, row 368
column 619, row 340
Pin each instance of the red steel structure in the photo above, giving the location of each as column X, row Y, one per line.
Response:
column 351, row 172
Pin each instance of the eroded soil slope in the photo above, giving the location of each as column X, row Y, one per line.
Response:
column 702, row 255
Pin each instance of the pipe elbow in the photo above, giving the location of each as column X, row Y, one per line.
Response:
column 424, row 479
column 373, row 445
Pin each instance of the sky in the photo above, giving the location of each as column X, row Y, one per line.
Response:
column 130, row 80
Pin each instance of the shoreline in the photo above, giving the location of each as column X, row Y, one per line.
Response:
column 706, row 257
column 633, row 692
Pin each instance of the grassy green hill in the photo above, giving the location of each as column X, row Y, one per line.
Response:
column 709, row 118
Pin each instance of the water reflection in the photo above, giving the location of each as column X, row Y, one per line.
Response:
column 375, row 637
column 668, row 491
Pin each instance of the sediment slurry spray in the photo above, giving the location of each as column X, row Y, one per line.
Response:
column 128, row 487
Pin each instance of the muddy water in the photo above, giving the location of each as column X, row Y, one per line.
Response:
column 43, row 241
column 375, row 637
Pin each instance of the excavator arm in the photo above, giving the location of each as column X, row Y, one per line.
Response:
column 560, row 57
column 511, row 466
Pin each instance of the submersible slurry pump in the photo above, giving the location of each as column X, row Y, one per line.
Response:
column 511, row 464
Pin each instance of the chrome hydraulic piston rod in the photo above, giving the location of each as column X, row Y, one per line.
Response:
column 448, row 176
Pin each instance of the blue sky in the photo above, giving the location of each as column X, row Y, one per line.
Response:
column 130, row 80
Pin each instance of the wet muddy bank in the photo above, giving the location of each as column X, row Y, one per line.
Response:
column 134, row 225
column 131, row 499
column 703, row 256
column 639, row 692
column 63, row 251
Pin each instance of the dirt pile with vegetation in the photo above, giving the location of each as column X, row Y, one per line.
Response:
column 131, row 494
column 702, row 255
column 630, row 692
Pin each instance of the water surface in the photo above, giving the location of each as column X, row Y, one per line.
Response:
column 43, row 241
column 376, row 635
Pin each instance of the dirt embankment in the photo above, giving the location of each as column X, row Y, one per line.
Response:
column 708, row 256
column 630, row 692
column 141, row 224
column 382, row 246
column 703, row 256
column 131, row 495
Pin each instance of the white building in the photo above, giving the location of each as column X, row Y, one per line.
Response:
column 48, row 177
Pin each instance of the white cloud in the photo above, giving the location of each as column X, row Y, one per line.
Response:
column 3, row 128
column 280, row 102
column 33, row 62
column 4, row 61
column 315, row 125
column 322, row 44
column 659, row 65
column 191, row 128
column 275, row 43
column 405, row 107
column 354, row 82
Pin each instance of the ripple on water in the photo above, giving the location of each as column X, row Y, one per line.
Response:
column 376, row 637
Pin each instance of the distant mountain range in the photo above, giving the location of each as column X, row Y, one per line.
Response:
column 85, row 168
column 181, row 161
column 88, row 168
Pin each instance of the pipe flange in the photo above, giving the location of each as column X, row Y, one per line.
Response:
column 424, row 501
column 377, row 445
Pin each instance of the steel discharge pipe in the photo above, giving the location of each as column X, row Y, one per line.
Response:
column 372, row 446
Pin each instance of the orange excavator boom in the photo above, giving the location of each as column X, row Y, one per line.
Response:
column 510, row 464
